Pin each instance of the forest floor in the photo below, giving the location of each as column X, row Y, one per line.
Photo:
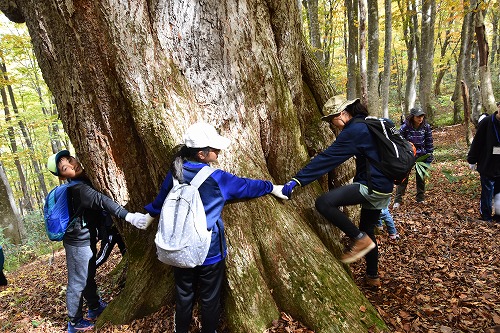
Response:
column 443, row 275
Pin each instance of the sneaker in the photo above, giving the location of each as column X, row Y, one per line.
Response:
column 82, row 325
column 396, row 205
column 372, row 282
column 394, row 237
column 93, row 314
column 360, row 247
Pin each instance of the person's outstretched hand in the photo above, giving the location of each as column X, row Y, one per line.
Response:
column 288, row 188
column 138, row 220
column 277, row 192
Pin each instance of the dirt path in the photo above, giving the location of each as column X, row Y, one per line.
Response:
column 442, row 276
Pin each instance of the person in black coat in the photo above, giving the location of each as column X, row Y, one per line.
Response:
column 484, row 156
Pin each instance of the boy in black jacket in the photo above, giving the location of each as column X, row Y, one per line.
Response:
column 484, row 156
column 87, row 204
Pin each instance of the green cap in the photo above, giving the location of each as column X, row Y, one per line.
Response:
column 53, row 159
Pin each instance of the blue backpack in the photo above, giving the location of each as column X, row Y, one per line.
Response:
column 56, row 211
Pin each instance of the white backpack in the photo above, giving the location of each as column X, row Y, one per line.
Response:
column 182, row 239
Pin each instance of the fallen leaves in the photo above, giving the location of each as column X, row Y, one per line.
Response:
column 443, row 275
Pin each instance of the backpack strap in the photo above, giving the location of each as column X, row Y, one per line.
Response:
column 79, row 211
column 201, row 176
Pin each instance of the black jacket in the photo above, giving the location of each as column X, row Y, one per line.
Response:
column 481, row 150
column 88, row 204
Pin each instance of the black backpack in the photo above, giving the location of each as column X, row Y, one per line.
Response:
column 397, row 155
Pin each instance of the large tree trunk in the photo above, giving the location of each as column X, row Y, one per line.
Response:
column 130, row 77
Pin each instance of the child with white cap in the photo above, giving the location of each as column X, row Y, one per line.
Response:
column 201, row 147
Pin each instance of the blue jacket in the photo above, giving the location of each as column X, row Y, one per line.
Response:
column 220, row 187
column 421, row 138
column 354, row 140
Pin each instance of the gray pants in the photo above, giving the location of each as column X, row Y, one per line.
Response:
column 80, row 262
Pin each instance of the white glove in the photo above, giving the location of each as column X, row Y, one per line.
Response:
column 473, row 167
column 277, row 192
column 149, row 220
column 138, row 220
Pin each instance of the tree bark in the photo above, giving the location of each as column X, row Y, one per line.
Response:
column 130, row 77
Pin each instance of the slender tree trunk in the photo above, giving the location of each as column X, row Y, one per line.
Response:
column 444, row 65
column 314, row 30
column 373, row 78
column 426, row 57
column 26, row 136
column 495, row 38
column 386, row 77
column 13, row 146
column 130, row 77
column 353, row 83
column 471, row 66
column 467, row 113
column 10, row 220
column 462, row 62
column 487, row 96
column 362, row 51
column 411, row 46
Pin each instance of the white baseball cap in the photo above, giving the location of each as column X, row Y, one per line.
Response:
column 201, row 135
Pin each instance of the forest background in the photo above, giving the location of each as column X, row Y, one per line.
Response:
column 411, row 54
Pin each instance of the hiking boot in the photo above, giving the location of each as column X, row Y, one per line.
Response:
column 372, row 282
column 396, row 205
column 360, row 247
column 93, row 314
column 394, row 237
column 82, row 325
